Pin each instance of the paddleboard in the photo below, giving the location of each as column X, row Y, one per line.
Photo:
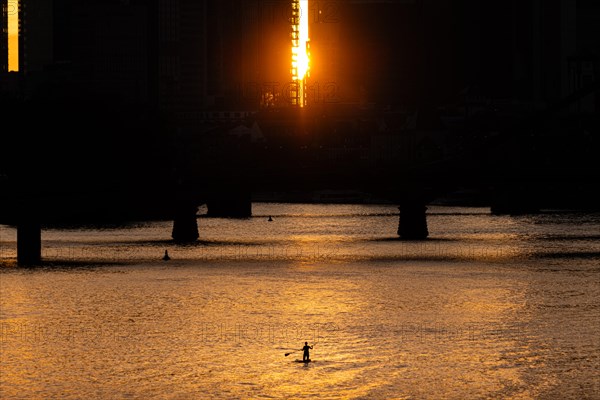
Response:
column 303, row 361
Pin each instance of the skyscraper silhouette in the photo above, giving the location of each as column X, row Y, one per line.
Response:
column 3, row 36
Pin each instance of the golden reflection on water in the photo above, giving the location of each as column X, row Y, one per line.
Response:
column 378, row 332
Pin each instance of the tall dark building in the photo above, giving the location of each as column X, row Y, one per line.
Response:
column 534, row 51
column 3, row 36
column 180, row 55
column 109, row 48
column 266, row 48
column 379, row 57
column 584, row 66
column 35, row 35
column 248, row 52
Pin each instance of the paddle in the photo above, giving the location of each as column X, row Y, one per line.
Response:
column 291, row 352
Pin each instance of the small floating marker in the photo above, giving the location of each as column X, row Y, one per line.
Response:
column 166, row 256
column 270, row 219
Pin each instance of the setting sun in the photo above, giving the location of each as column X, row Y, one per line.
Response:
column 300, row 49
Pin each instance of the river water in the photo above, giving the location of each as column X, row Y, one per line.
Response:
column 497, row 307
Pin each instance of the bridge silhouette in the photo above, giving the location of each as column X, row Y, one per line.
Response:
column 497, row 155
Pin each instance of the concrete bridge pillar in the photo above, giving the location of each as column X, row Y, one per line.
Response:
column 29, row 243
column 412, row 224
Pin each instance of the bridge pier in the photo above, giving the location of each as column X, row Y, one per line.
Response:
column 412, row 224
column 29, row 243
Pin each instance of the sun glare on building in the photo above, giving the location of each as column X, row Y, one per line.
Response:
column 13, row 35
column 300, row 51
